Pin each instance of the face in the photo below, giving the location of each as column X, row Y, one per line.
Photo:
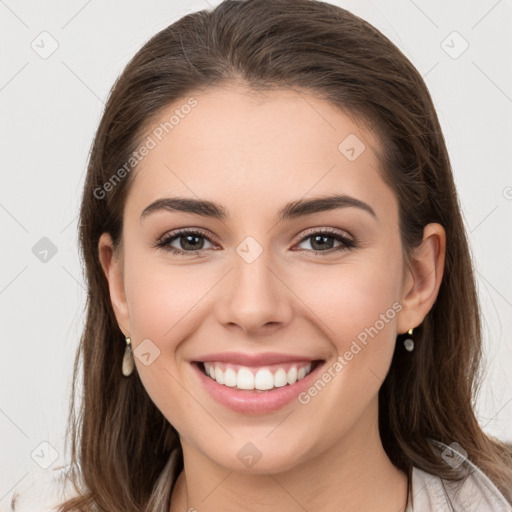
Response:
column 267, row 287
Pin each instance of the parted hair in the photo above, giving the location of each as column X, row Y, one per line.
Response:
column 120, row 441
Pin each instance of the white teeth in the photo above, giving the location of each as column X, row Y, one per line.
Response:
column 291, row 376
column 230, row 378
column 219, row 375
column 280, row 378
column 244, row 379
column 263, row 380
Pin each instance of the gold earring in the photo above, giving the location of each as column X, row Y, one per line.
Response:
column 128, row 362
column 409, row 342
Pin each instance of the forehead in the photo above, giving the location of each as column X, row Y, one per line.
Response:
column 255, row 150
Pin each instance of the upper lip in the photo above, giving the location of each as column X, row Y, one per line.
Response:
column 263, row 359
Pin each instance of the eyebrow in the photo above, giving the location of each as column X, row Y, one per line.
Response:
column 291, row 210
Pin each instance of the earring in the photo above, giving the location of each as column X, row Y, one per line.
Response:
column 128, row 362
column 409, row 342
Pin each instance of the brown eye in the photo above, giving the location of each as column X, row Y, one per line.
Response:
column 183, row 242
column 324, row 242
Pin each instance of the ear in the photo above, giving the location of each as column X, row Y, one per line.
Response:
column 422, row 278
column 111, row 262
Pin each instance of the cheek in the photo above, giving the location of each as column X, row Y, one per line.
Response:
column 359, row 310
column 358, row 305
column 162, row 298
column 351, row 298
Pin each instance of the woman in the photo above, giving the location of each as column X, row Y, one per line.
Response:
column 281, row 311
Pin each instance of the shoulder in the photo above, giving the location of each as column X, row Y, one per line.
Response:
column 40, row 490
column 474, row 493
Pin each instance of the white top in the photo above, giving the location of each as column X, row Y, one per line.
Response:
column 476, row 493
column 43, row 490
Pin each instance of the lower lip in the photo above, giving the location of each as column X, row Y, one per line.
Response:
column 252, row 401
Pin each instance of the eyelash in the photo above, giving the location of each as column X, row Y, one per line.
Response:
column 164, row 241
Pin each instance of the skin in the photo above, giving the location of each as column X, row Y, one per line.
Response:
column 253, row 154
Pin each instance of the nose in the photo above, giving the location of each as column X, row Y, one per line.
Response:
column 255, row 297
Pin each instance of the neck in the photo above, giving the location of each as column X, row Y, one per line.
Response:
column 354, row 474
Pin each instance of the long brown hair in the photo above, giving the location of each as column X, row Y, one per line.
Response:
column 120, row 441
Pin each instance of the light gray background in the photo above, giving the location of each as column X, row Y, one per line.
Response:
column 50, row 111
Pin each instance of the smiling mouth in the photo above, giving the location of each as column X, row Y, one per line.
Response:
column 265, row 378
